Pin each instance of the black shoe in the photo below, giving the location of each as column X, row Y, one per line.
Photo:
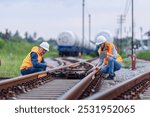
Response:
column 110, row 77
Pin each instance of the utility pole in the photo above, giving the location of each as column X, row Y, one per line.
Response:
column 83, row 4
column 141, row 40
column 133, row 57
column 121, row 21
column 89, row 29
column 141, row 30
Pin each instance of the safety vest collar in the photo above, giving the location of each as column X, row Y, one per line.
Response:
column 36, row 49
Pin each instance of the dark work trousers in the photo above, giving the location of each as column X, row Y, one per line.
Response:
column 112, row 66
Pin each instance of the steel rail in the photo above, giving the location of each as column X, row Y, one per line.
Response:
column 49, row 94
column 21, row 79
column 76, row 91
column 9, row 88
column 61, row 63
column 117, row 90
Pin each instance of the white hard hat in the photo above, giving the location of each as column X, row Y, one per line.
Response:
column 106, row 34
column 100, row 39
column 45, row 46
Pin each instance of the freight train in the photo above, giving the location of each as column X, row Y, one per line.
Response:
column 69, row 44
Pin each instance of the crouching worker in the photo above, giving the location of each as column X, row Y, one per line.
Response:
column 34, row 61
column 108, row 56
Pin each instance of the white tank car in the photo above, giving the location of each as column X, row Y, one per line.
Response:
column 69, row 44
column 92, row 46
column 88, row 46
column 68, row 38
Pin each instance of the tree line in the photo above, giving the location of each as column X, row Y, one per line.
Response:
column 9, row 36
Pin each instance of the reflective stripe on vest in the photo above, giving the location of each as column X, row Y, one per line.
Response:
column 27, row 61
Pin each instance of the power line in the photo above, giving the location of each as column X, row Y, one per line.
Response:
column 83, row 4
column 127, row 7
column 89, row 29
column 121, row 21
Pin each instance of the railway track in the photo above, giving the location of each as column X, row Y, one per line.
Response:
column 135, row 88
column 50, row 90
column 74, row 81
column 77, row 80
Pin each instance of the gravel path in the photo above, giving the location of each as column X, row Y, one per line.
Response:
column 141, row 67
column 125, row 74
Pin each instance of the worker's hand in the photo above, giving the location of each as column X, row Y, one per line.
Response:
column 48, row 65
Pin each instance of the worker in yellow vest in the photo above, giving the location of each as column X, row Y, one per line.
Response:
column 34, row 61
column 108, row 56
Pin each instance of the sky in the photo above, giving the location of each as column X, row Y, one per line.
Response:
column 48, row 18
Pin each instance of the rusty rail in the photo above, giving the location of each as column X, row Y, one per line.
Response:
column 12, row 87
column 9, row 88
column 77, row 90
column 61, row 63
column 129, row 89
column 21, row 79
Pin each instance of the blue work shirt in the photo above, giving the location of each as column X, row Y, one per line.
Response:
column 36, row 64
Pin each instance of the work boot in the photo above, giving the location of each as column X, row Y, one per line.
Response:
column 110, row 77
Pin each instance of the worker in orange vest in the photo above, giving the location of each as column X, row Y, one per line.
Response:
column 108, row 56
column 34, row 61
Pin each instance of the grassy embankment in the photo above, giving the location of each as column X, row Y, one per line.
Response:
column 12, row 54
column 88, row 56
column 127, row 63
column 143, row 55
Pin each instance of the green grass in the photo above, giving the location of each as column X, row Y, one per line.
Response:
column 123, row 55
column 143, row 54
column 12, row 55
column 52, row 53
column 126, row 64
column 87, row 57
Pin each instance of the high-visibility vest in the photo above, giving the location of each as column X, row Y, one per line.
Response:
column 108, row 48
column 27, row 61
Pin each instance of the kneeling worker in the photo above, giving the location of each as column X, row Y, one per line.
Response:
column 34, row 61
column 111, row 59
